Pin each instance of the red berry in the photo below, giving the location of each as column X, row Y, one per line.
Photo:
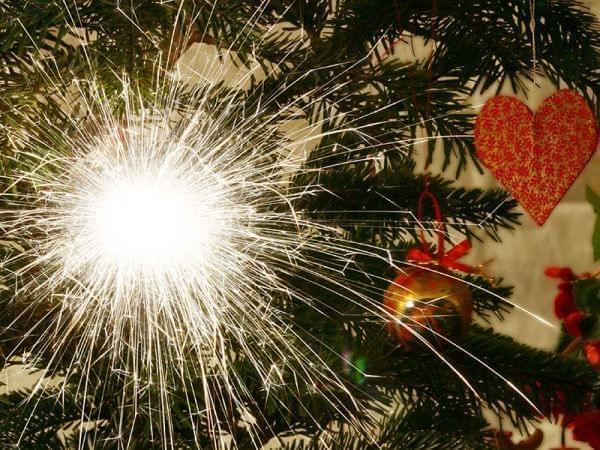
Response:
column 567, row 286
column 564, row 273
column 592, row 353
column 573, row 322
column 552, row 272
column 564, row 304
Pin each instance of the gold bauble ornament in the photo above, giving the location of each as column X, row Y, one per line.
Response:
column 427, row 304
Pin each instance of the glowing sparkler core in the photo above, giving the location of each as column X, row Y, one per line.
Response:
column 144, row 219
column 146, row 223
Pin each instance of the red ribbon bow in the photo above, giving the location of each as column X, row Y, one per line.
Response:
column 447, row 259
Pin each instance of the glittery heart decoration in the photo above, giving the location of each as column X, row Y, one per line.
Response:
column 536, row 156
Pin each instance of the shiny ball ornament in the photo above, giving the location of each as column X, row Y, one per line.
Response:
column 427, row 305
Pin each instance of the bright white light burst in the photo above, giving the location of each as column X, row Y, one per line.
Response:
column 144, row 221
column 166, row 245
column 144, row 210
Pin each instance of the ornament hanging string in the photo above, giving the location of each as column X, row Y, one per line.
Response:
column 449, row 259
column 439, row 218
column 532, row 23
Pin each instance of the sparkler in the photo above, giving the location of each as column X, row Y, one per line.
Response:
column 164, row 245
column 163, row 239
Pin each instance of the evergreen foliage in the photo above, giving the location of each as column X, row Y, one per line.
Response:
column 410, row 398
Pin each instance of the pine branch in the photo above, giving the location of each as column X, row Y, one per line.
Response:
column 34, row 422
column 355, row 197
column 540, row 376
column 404, row 428
column 496, row 36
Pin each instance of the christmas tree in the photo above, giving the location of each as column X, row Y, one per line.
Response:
column 244, row 253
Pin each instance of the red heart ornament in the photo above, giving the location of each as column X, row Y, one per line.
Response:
column 537, row 157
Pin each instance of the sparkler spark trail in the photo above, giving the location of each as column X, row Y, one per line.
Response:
column 161, row 236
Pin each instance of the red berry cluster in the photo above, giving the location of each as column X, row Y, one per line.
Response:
column 566, row 310
column 584, row 423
